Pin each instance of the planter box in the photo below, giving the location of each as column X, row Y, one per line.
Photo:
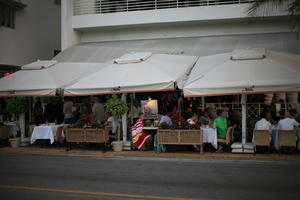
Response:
column 88, row 135
column 180, row 137
column 4, row 132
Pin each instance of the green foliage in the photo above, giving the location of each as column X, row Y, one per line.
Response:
column 116, row 106
column 18, row 106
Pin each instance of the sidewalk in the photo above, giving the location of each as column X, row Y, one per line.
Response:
column 149, row 154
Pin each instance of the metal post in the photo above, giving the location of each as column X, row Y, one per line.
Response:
column 244, row 117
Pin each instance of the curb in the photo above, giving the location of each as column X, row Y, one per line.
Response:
column 150, row 154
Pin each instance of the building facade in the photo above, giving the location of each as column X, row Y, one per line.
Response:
column 29, row 30
column 99, row 30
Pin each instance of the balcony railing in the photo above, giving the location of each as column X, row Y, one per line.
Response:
column 82, row 7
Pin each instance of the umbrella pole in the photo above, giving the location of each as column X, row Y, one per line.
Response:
column 244, row 117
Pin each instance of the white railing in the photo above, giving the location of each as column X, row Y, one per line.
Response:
column 82, row 7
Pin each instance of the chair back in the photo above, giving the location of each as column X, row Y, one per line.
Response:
column 262, row 138
column 287, row 138
column 228, row 134
column 232, row 133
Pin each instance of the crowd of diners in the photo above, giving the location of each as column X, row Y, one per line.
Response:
column 174, row 112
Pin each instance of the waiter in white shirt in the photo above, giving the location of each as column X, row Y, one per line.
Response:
column 98, row 110
column 288, row 123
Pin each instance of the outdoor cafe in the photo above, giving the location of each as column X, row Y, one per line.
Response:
column 243, row 101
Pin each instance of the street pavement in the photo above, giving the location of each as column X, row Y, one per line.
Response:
column 41, row 177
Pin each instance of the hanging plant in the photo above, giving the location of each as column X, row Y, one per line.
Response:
column 18, row 106
column 116, row 106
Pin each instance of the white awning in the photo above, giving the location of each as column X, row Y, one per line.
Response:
column 220, row 75
column 45, row 81
column 157, row 73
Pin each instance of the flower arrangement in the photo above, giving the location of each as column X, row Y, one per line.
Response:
column 87, row 118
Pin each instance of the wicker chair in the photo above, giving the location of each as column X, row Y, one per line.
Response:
column 232, row 133
column 31, row 127
column 59, row 131
column 287, row 138
column 227, row 140
column 262, row 138
column 4, row 132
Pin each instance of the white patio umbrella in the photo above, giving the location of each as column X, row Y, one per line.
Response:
column 135, row 72
column 244, row 72
column 43, row 78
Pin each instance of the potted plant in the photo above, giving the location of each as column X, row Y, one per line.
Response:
column 117, row 108
column 18, row 108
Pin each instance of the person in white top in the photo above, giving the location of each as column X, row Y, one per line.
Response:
column 112, row 123
column 67, row 110
column 98, row 110
column 263, row 123
column 288, row 123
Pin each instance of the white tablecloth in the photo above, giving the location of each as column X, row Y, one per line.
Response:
column 44, row 132
column 210, row 136
column 275, row 138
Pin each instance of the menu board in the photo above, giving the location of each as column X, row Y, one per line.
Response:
column 150, row 109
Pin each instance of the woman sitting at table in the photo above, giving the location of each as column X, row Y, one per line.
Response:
column 220, row 123
column 140, row 138
column 205, row 119
column 192, row 122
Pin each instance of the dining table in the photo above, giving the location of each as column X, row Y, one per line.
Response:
column 45, row 132
column 210, row 136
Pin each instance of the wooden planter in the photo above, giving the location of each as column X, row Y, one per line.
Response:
column 87, row 135
column 180, row 137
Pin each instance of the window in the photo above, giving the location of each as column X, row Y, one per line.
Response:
column 7, row 16
column 7, row 12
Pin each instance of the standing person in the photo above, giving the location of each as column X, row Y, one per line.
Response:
column 136, row 110
column 50, row 111
column 98, row 110
column 59, row 111
column 140, row 138
column 38, row 112
column 67, row 110
column 220, row 123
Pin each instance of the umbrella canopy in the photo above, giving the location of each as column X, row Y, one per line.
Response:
column 242, row 73
column 135, row 72
column 43, row 78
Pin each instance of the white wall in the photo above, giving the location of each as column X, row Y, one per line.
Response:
column 217, row 28
column 36, row 34
column 190, row 14
column 69, row 36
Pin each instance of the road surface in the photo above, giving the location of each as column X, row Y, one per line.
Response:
column 34, row 177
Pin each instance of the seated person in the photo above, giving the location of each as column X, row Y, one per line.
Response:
column 112, row 123
column 192, row 121
column 205, row 119
column 139, row 137
column 220, row 123
column 263, row 123
column 165, row 120
column 288, row 123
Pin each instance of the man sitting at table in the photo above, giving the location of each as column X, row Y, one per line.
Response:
column 220, row 123
column 288, row 123
column 165, row 120
column 263, row 123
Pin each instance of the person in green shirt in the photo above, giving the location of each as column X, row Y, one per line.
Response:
column 220, row 123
